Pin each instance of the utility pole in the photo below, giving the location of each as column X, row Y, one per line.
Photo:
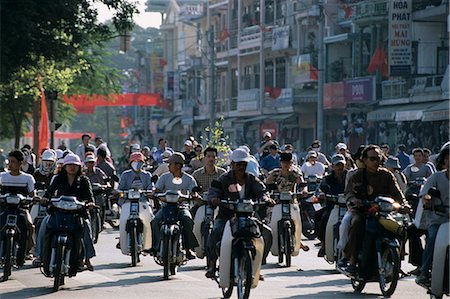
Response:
column 212, row 78
column 321, row 67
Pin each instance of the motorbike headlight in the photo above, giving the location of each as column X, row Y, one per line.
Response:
column 13, row 199
column 134, row 194
column 68, row 205
column 286, row 208
column 285, row 196
column 244, row 207
column 172, row 198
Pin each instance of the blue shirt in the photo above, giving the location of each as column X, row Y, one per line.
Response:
column 270, row 162
column 403, row 159
column 128, row 177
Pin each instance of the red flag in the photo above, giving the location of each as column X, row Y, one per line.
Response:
column 275, row 93
column 224, row 35
column 122, row 123
column 162, row 62
column 268, row 89
column 378, row 62
column 313, row 73
column 347, row 11
column 43, row 126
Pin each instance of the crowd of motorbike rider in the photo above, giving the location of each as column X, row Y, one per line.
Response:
column 372, row 171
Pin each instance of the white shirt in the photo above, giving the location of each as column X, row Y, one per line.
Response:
column 316, row 169
column 23, row 181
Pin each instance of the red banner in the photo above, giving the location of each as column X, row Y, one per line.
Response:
column 43, row 126
column 64, row 135
column 86, row 103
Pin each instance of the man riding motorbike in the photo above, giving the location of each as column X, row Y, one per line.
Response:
column 176, row 179
column 366, row 184
column 44, row 172
column 232, row 185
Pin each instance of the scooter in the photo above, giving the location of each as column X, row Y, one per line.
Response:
column 203, row 225
column 439, row 285
column 286, row 226
column 134, row 226
column 412, row 191
column 381, row 265
column 241, row 250
column 13, row 231
column 332, row 252
column 63, row 247
column 308, row 207
column 38, row 210
column 170, row 254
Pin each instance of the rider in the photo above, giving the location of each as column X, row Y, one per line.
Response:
column 178, row 180
column 320, row 156
column 332, row 184
column 70, row 182
column 366, row 184
column 209, row 172
column 419, row 168
column 106, row 166
column 312, row 166
column 17, row 182
column 95, row 174
column 439, row 180
column 272, row 160
column 44, row 172
column 232, row 185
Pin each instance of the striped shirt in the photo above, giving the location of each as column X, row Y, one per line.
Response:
column 21, row 184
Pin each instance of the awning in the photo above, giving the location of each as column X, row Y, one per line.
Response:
column 438, row 112
column 405, row 112
column 172, row 122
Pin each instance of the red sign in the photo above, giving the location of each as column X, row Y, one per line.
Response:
column 269, row 126
column 333, row 95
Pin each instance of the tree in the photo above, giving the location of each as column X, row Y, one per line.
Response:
column 59, row 40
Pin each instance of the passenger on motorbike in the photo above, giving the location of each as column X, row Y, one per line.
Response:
column 332, row 184
column 44, row 172
column 313, row 167
column 366, row 184
column 439, row 180
column 232, row 185
column 176, row 179
column 71, row 182
column 17, row 182
column 418, row 169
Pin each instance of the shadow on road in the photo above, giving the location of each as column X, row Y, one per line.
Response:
column 334, row 294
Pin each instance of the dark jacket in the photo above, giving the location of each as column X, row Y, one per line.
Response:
column 335, row 187
column 81, row 188
column 254, row 189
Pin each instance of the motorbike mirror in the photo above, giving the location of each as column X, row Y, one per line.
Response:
column 433, row 192
column 154, row 178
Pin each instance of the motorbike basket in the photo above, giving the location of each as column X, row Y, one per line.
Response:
column 245, row 227
column 390, row 224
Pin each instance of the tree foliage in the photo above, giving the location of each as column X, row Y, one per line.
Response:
column 215, row 137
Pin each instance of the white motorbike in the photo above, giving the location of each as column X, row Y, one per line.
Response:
column 134, row 227
column 332, row 253
column 203, row 225
column 439, row 285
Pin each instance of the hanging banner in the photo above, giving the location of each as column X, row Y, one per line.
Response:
column 400, row 30
column 359, row 90
column 280, row 38
column 301, row 69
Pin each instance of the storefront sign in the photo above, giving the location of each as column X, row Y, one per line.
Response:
column 408, row 115
column 400, row 29
column 280, row 38
column 359, row 90
column 333, row 95
column 248, row 100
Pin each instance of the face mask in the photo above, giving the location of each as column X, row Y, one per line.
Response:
column 316, row 149
column 136, row 165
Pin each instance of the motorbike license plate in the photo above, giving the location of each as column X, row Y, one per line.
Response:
column 317, row 206
column 134, row 207
column 11, row 220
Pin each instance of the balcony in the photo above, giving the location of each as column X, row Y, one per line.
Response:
column 394, row 89
column 370, row 11
column 250, row 37
column 426, row 88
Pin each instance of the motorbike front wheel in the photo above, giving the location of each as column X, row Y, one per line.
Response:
column 165, row 256
column 358, row 285
column 58, row 276
column 389, row 271
column 245, row 277
column 8, row 249
column 133, row 246
column 287, row 245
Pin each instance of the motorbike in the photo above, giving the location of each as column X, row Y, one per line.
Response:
column 38, row 210
column 241, row 250
column 332, row 252
column 134, row 226
column 440, row 277
column 412, row 191
column 379, row 261
column 308, row 207
column 109, row 209
column 13, row 231
column 170, row 254
column 63, row 248
column 96, row 216
column 286, row 226
column 203, row 225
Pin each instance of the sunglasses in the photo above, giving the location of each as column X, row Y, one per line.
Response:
column 373, row 159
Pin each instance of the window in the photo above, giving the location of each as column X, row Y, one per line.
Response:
column 280, row 79
column 257, row 75
column 234, row 83
column 268, row 73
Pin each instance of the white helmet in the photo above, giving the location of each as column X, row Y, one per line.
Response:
column 48, row 155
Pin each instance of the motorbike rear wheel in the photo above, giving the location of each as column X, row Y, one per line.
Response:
column 287, row 245
column 95, row 226
column 133, row 246
column 245, row 277
column 9, row 247
column 165, row 257
column 389, row 271
column 58, row 267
